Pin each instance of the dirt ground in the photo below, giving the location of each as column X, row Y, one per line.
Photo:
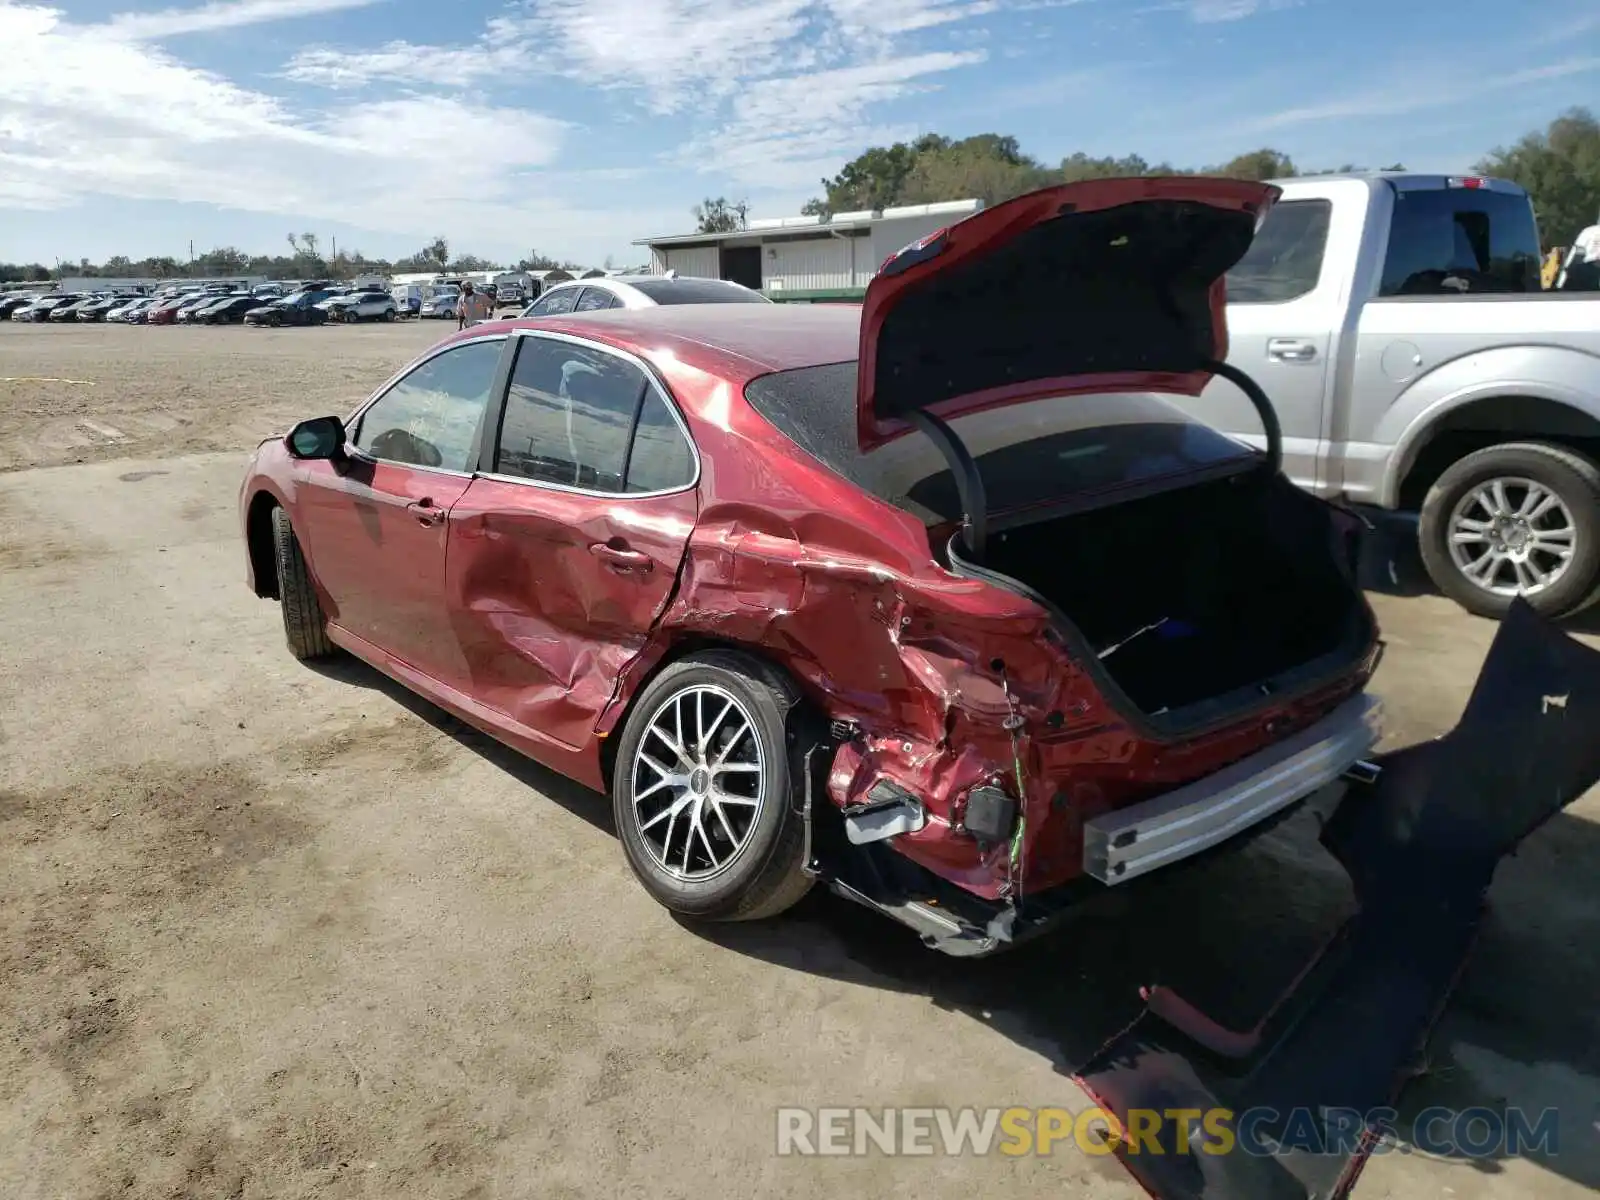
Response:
column 275, row 931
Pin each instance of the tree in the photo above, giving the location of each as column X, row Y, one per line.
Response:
column 987, row 167
column 1560, row 168
column 470, row 262
column 537, row 262
column 223, row 260
column 436, row 252
column 719, row 216
column 1260, row 164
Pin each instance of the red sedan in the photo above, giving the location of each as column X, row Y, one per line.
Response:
column 943, row 601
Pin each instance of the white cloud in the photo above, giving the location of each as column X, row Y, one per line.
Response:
column 1209, row 11
column 221, row 14
column 1431, row 91
column 503, row 48
column 780, row 90
column 788, row 132
column 85, row 110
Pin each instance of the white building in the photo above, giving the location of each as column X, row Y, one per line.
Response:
column 805, row 258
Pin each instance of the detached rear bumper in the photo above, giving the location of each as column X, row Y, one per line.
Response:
column 1421, row 846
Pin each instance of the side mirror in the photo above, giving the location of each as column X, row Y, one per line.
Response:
column 320, row 437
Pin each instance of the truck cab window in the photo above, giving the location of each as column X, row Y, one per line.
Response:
column 1285, row 260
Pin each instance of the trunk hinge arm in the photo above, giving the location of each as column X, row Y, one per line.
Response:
column 1263, row 407
column 969, row 483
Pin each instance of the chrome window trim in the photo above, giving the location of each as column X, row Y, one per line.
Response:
column 384, row 389
column 651, row 376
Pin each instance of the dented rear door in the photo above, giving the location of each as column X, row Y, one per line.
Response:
column 565, row 550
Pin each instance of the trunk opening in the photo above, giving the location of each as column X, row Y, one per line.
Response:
column 1198, row 603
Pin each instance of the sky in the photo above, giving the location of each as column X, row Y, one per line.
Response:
column 576, row 126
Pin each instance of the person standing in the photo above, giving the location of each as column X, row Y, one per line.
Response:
column 472, row 307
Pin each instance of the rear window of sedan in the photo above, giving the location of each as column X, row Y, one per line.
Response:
column 1086, row 444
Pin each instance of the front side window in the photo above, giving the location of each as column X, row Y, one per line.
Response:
column 430, row 417
column 580, row 417
column 1284, row 261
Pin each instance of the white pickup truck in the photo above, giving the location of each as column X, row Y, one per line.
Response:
column 1398, row 325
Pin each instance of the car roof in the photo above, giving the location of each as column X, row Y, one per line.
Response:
column 765, row 337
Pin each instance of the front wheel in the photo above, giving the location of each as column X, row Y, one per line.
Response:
column 305, row 627
column 708, row 788
column 1518, row 520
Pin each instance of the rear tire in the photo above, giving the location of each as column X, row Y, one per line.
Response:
column 1527, row 475
column 304, row 626
column 728, row 814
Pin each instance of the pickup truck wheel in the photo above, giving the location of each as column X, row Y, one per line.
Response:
column 1521, row 519
column 707, row 790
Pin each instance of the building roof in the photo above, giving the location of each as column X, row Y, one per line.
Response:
column 837, row 222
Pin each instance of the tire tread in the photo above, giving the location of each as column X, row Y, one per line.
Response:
column 304, row 626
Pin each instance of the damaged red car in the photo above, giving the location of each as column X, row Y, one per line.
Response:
column 943, row 601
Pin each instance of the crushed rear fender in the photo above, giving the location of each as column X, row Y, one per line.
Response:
column 1421, row 845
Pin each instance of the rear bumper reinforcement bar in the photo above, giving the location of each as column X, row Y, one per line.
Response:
column 1122, row 845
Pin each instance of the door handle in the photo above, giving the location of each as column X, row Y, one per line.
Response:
column 1291, row 350
column 620, row 557
column 426, row 512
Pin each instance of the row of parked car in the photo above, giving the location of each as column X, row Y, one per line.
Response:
column 313, row 303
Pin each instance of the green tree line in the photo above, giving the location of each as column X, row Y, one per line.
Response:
column 305, row 260
column 1559, row 166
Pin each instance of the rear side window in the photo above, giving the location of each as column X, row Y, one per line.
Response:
column 594, row 299
column 1450, row 241
column 696, row 291
column 1284, row 261
column 558, row 301
column 580, row 417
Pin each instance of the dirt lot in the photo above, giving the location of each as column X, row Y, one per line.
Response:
column 269, row 931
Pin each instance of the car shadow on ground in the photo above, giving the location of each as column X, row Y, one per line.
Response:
column 592, row 806
column 1229, row 934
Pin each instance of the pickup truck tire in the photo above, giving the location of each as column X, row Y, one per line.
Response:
column 1572, row 480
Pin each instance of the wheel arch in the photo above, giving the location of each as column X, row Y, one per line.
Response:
column 1452, row 432
column 258, row 540
column 615, row 717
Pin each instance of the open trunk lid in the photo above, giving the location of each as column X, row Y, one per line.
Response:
column 1106, row 286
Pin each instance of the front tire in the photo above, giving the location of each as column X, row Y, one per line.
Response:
column 305, row 627
column 1518, row 520
column 708, row 788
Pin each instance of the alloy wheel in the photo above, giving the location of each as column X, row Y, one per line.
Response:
column 1512, row 536
column 698, row 782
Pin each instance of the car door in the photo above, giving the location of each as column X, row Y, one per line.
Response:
column 1282, row 310
column 566, row 548
column 378, row 522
